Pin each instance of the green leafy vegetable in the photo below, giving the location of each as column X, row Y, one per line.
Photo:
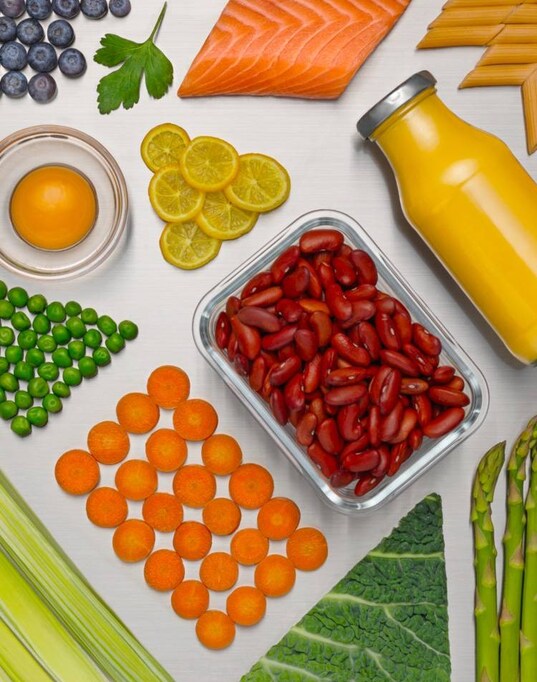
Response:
column 386, row 621
column 122, row 87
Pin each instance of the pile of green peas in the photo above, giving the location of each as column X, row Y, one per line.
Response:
column 45, row 350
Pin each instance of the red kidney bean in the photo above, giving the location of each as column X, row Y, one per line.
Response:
column 296, row 283
column 358, row 445
column 339, row 306
column 398, row 454
column 343, row 271
column 403, row 328
column 384, row 459
column 344, row 251
column 258, row 372
column 386, row 389
column 425, row 341
column 232, row 346
column 369, row 339
column 264, row 298
column 321, row 257
column 348, row 421
column 415, row 438
column 387, row 332
column 312, row 374
column 285, row 262
column 325, row 462
column 377, row 381
column 395, row 359
column 444, row 423
column 291, row 311
column 345, row 395
column 400, row 308
column 457, row 383
column 424, row 409
column 421, row 360
column 326, row 275
column 279, row 339
column 232, row 306
column 342, row 364
column 285, row 370
column 222, row 331
column 443, row 395
column 295, row 416
column 242, row 365
column 318, row 409
column 359, row 462
column 329, row 438
column 350, row 351
column 270, row 358
column 374, row 425
column 304, row 322
column 315, row 289
column 306, row 344
column 328, row 362
column 361, row 310
column 391, row 423
column 305, row 430
column 342, row 478
column 321, row 323
column 294, row 395
column 365, row 267
column 385, row 304
column 409, row 421
column 320, row 240
column 286, row 352
column 443, row 375
column 278, row 406
column 347, row 376
column 260, row 318
column 258, row 283
column 366, row 484
column 361, row 292
column 413, row 386
column 267, row 387
column 311, row 305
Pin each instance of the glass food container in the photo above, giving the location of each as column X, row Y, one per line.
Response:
column 391, row 281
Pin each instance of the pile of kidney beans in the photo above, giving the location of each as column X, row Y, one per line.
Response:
column 340, row 360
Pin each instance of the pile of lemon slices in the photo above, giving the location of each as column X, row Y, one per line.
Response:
column 206, row 193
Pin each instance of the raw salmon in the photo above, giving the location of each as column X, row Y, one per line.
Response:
column 289, row 48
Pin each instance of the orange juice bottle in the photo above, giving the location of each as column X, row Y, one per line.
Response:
column 470, row 199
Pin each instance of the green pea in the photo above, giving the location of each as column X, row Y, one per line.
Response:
column 52, row 404
column 107, row 325
column 23, row 371
column 2, row 395
column 46, row 344
column 101, row 357
column 14, row 354
column 4, row 365
column 61, row 358
column 37, row 416
column 61, row 334
column 88, row 368
column 6, row 336
column 9, row 382
column 35, row 357
column 93, row 338
column 56, row 312
column 18, row 296
column 61, row 390
column 89, row 316
column 8, row 410
column 3, row 289
column 72, row 376
column 76, row 350
column 36, row 304
column 76, row 327
column 41, row 324
column 6, row 310
column 21, row 426
column 27, row 339
column 73, row 308
column 23, row 400
column 38, row 388
column 115, row 343
column 128, row 330
column 48, row 371
column 20, row 321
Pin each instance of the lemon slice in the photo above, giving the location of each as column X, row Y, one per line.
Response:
column 164, row 145
column 186, row 246
column 172, row 198
column 209, row 163
column 262, row 184
column 221, row 220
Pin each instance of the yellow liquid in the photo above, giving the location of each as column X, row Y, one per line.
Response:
column 53, row 208
column 476, row 206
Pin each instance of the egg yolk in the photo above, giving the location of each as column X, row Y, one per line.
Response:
column 53, row 207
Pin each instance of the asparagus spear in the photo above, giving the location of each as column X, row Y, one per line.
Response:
column 513, row 567
column 528, row 635
column 486, row 607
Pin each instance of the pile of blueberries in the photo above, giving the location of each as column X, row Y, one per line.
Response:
column 22, row 43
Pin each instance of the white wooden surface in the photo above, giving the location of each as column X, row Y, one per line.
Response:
column 330, row 168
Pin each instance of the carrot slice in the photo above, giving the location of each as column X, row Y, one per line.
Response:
column 219, row 571
column 246, row 605
column 221, row 454
column 136, row 479
column 190, row 599
column 195, row 419
column 133, row 540
column 77, row 472
column 215, row 630
column 168, row 386
column 194, row 485
column 192, row 540
column 278, row 518
column 163, row 512
column 249, row 546
column 137, row 413
column 106, row 507
column 164, row 570
column 108, row 442
column 307, row 549
column 222, row 516
column 275, row 576
column 166, row 450
column 251, row 486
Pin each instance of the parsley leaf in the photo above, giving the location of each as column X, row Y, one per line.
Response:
column 122, row 87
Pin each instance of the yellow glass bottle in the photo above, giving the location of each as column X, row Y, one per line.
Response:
column 466, row 194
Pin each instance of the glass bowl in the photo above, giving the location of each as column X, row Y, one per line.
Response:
column 31, row 148
column 391, row 281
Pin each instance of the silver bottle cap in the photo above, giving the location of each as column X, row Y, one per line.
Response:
column 402, row 94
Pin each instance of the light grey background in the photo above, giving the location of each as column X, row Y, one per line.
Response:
column 330, row 168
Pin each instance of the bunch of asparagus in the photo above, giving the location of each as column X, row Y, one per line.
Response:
column 506, row 643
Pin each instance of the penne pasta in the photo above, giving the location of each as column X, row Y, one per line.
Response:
column 523, row 14
column 501, row 74
column 459, row 36
column 529, row 102
column 510, row 53
column 473, row 16
column 484, row 3
column 516, row 33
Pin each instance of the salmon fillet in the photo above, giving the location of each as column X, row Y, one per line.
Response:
column 289, row 48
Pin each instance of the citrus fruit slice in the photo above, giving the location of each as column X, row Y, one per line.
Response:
column 186, row 246
column 172, row 198
column 209, row 163
column 220, row 219
column 164, row 146
column 262, row 184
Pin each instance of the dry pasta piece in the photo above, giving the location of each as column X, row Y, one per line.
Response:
column 249, row 546
column 219, row 571
column 166, row 450
column 278, row 518
column 195, row 419
column 137, row 413
column 108, row 442
column 529, row 100
column 250, row 486
column 508, row 74
column 221, row 454
column 307, row 549
column 459, row 36
column 168, row 386
column 246, row 605
column 190, row 599
column 77, row 472
column 522, row 14
column 136, row 479
column 106, row 507
column 222, row 516
column 163, row 512
column 192, row 540
column 164, row 570
column 523, row 53
column 472, row 16
column 194, row 485
column 133, row 540
column 215, row 630
column 275, row 576
column 516, row 33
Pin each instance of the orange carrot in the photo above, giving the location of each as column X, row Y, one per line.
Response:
column 222, row 516
column 251, row 486
column 108, row 442
column 106, row 507
column 77, row 472
column 192, row 540
column 249, row 546
column 162, row 512
column 275, row 576
column 164, row 570
column 307, row 549
column 219, row 571
column 168, row 386
column 221, row 454
column 133, row 540
column 246, row 605
column 166, row 450
column 190, row 599
column 195, row 419
column 137, row 413
column 136, row 479
column 278, row 518
column 215, row 630
column 194, row 485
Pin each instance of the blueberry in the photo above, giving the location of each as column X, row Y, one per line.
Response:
column 120, row 8
column 12, row 8
column 94, row 9
column 13, row 56
column 42, row 88
column 60, row 33
column 30, row 31
column 42, row 57
column 8, row 29
column 39, row 9
column 72, row 63
column 68, row 9
column 14, row 84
